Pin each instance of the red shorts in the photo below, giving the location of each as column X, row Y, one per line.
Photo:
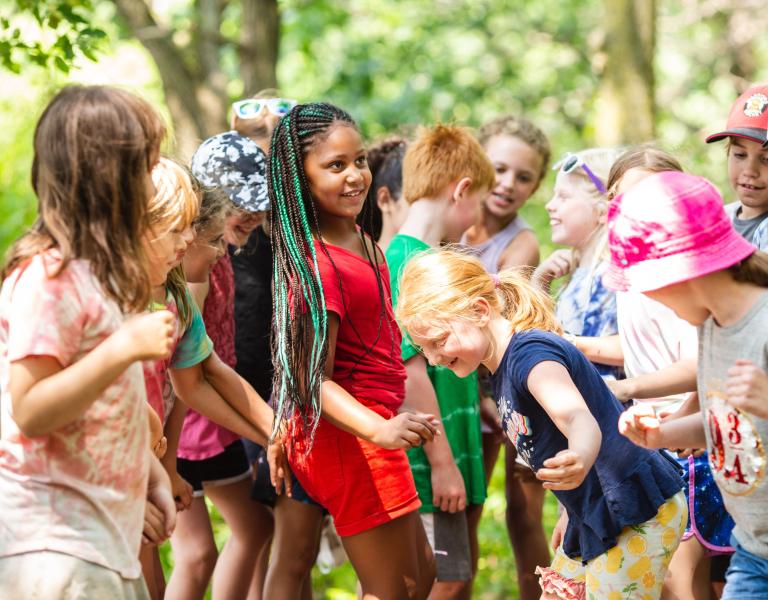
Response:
column 362, row 485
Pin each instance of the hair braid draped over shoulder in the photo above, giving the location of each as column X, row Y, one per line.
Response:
column 439, row 286
column 299, row 343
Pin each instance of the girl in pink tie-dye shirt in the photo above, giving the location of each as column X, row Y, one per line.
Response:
column 74, row 453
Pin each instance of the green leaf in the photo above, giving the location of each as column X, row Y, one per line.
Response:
column 61, row 64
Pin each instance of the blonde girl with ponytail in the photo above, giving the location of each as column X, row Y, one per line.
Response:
column 624, row 510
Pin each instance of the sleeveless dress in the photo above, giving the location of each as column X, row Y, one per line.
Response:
column 491, row 250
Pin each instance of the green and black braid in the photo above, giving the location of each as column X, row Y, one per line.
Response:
column 299, row 341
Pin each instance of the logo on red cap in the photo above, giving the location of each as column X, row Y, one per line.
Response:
column 755, row 105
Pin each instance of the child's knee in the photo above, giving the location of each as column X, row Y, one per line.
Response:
column 297, row 561
column 198, row 557
column 453, row 589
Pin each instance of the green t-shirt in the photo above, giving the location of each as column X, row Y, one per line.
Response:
column 457, row 398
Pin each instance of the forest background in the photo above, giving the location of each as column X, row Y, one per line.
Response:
column 588, row 72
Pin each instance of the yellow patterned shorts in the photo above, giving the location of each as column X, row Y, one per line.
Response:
column 634, row 569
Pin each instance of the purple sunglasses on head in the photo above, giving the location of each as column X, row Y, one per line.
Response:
column 570, row 162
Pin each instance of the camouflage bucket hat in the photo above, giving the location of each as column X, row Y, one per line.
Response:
column 237, row 165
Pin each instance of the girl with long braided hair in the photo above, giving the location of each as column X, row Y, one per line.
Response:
column 339, row 379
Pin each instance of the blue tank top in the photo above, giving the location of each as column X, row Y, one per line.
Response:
column 626, row 485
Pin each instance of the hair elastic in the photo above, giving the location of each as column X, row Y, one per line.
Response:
column 496, row 280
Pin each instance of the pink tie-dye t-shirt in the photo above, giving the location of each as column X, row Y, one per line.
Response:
column 79, row 490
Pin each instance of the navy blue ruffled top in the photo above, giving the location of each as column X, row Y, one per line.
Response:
column 626, row 485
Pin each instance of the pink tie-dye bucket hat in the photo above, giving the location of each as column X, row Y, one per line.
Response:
column 668, row 228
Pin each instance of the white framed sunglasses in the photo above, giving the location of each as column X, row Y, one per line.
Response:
column 252, row 107
column 570, row 162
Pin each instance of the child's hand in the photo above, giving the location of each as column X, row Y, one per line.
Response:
column 154, row 531
column 448, row 491
column 160, row 447
column 279, row 469
column 686, row 452
column 157, row 441
column 557, row 265
column 181, row 491
column 558, row 533
column 564, row 471
column 159, row 513
column 149, row 336
column 406, row 430
column 747, row 388
column 641, row 425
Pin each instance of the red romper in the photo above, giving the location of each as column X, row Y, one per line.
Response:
column 362, row 485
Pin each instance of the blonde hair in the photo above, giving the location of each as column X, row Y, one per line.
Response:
column 441, row 155
column 175, row 205
column 599, row 161
column 442, row 285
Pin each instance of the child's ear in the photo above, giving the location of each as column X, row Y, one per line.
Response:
column 462, row 188
column 482, row 311
column 384, row 199
column 602, row 212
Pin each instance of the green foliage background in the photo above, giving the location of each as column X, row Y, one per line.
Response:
column 396, row 64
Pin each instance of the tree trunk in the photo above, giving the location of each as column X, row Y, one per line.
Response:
column 625, row 102
column 259, row 45
column 194, row 82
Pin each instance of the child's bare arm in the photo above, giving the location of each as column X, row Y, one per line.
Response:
column 677, row 378
column 193, row 388
column 604, row 350
column 46, row 396
column 181, row 489
column 523, row 251
column 551, row 384
column 406, row 430
column 448, row 491
column 239, row 394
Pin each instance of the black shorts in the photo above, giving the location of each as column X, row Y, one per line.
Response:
column 228, row 467
column 263, row 491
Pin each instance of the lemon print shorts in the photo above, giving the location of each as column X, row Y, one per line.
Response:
column 634, row 569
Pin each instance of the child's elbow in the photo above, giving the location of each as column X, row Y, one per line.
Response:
column 30, row 425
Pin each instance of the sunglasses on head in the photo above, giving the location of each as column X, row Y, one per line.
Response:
column 252, row 107
column 570, row 162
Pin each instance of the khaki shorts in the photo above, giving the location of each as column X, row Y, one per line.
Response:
column 448, row 535
column 48, row 575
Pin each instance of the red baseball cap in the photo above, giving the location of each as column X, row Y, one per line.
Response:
column 748, row 117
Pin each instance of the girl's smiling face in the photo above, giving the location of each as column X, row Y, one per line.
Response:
column 518, row 174
column 573, row 215
column 338, row 172
column 239, row 226
column 458, row 345
column 166, row 250
column 209, row 246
